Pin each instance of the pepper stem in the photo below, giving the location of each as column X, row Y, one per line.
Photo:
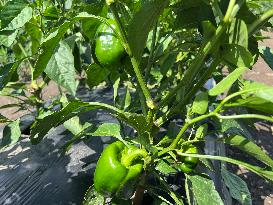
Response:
column 130, row 156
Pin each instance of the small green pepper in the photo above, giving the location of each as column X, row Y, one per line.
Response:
column 188, row 162
column 118, row 167
column 108, row 49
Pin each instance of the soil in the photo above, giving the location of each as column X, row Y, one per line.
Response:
column 261, row 191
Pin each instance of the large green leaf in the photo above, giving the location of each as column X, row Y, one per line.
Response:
column 238, row 33
column 237, row 187
column 7, row 72
column 227, row 82
column 107, row 129
column 96, row 74
column 237, row 55
column 60, row 68
column 42, row 126
column 235, row 127
column 200, row 103
column 142, row 22
column 51, row 42
column 203, row 190
column 256, row 96
column 14, row 14
column 249, row 147
column 11, row 133
column 7, row 38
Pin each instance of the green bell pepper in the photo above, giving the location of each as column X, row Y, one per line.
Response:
column 188, row 162
column 118, row 168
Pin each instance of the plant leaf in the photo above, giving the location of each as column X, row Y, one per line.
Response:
column 7, row 38
column 165, row 168
column 238, row 33
column 237, row 187
column 107, row 129
column 14, row 14
column 237, row 55
column 51, row 42
column 42, row 126
column 249, row 147
column 200, row 103
column 60, row 68
column 96, row 74
column 7, row 72
column 142, row 22
column 227, row 82
column 11, row 133
column 203, row 190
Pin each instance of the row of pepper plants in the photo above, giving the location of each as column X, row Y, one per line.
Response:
column 157, row 56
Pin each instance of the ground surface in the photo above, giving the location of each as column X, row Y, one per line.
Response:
column 262, row 192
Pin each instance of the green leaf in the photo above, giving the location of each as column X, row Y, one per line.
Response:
column 93, row 197
column 200, row 103
column 267, row 55
column 107, row 129
column 11, row 133
column 14, row 14
column 42, row 126
column 257, row 96
column 141, row 24
column 237, row 187
column 164, row 168
column 249, row 147
column 237, row 55
column 96, row 74
column 7, row 38
column 168, row 63
column 3, row 119
column 204, row 191
column 227, row 82
column 127, row 99
column 235, row 127
column 7, row 72
column 201, row 131
column 116, row 86
column 60, row 68
column 73, row 125
column 51, row 42
column 51, row 12
column 208, row 30
column 238, row 33
column 35, row 33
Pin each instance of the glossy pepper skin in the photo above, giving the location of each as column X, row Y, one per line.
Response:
column 189, row 163
column 118, row 168
column 108, row 48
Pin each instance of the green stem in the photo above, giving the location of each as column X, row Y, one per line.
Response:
column 244, row 116
column 135, row 64
column 192, row 91
column 199, row 61
column 259, row 22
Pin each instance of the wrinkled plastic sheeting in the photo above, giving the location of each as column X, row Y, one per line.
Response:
column 41, row 175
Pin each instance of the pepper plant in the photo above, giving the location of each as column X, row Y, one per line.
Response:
column 164, row 60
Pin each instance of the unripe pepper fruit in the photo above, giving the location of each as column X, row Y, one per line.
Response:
column 108, row 48
column 118, row 167
column 188, row 162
